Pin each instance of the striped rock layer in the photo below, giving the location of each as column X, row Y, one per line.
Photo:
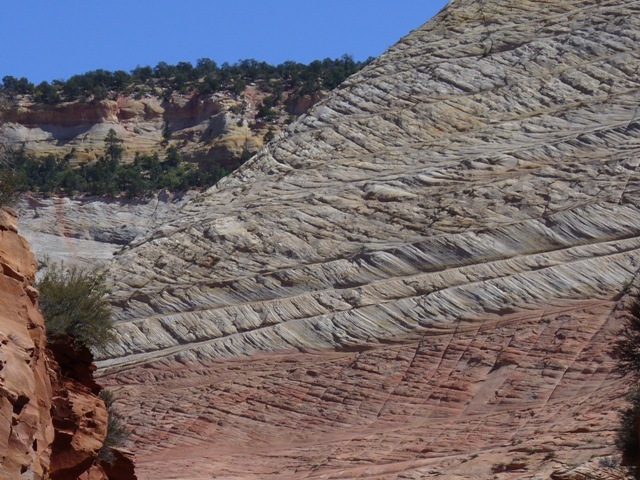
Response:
column 421, row 276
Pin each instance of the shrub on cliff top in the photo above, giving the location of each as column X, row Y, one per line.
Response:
column 74, row 303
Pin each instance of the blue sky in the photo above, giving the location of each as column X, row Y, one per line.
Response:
column 47, row 40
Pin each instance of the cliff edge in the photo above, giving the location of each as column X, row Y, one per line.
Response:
column 26, row 431
column 52, row 422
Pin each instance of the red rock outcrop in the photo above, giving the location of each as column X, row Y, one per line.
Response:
column 52, row 423
column 80, row 419
column 79, row 415
column 25, row 388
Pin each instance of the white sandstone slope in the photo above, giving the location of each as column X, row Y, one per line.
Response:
column 426, row 267
column 479, row 165
column 87, row 231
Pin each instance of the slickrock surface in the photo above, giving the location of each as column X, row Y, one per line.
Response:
column 87, row 231
column 25, row 388
column 426, row 267
column 532, row 390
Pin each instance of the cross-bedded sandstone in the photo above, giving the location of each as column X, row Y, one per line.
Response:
column 424, row 268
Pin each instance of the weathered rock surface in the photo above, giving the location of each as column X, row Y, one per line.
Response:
column 219, row 126
column 52, row 423
column 80, row 419
column 421, row 277
column 87, row 231
column 453, row 403
column 79, row 415
column 25, row 388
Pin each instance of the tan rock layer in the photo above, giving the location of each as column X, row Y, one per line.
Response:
column 198, row 125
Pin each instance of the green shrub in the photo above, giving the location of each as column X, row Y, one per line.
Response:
column 117, row 431
column 8, row 187
column 627, row 437
column 627, row 352
column 627, row 348
column 270, row 135
column 74, row 303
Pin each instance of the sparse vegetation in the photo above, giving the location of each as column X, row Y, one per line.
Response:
column 498, row 467
column 8, row 187
column 627, row 352
column 612, row 461
column 21, row 172
column 627, row 439
column 205, row 77
column 270, row 135
column 74, row 304
column 627, row 347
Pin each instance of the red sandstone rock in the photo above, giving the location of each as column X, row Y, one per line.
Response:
column 27, row 397
column 80, row 419
column 122, row 467
column 25, row 388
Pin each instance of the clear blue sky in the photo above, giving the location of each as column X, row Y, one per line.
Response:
column 47, row 40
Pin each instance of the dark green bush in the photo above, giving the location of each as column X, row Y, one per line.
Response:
column 205, row 77
column 627, row 348
column 74, row 303
column 627, row 436
column 627, row 352
column 8, row 187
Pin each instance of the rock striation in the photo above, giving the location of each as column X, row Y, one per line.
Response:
column 420, row 277
column 87, row 231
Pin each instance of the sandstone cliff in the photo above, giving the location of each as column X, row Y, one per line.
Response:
column 87, row 231
column 26, row 431
column 52, row 423
column 220, row 126
column 420, row 277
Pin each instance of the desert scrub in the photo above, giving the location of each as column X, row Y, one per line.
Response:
column 627, row 348
column 627, row 436
column 8, row 184
column 626, row 351
column 74, row 303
